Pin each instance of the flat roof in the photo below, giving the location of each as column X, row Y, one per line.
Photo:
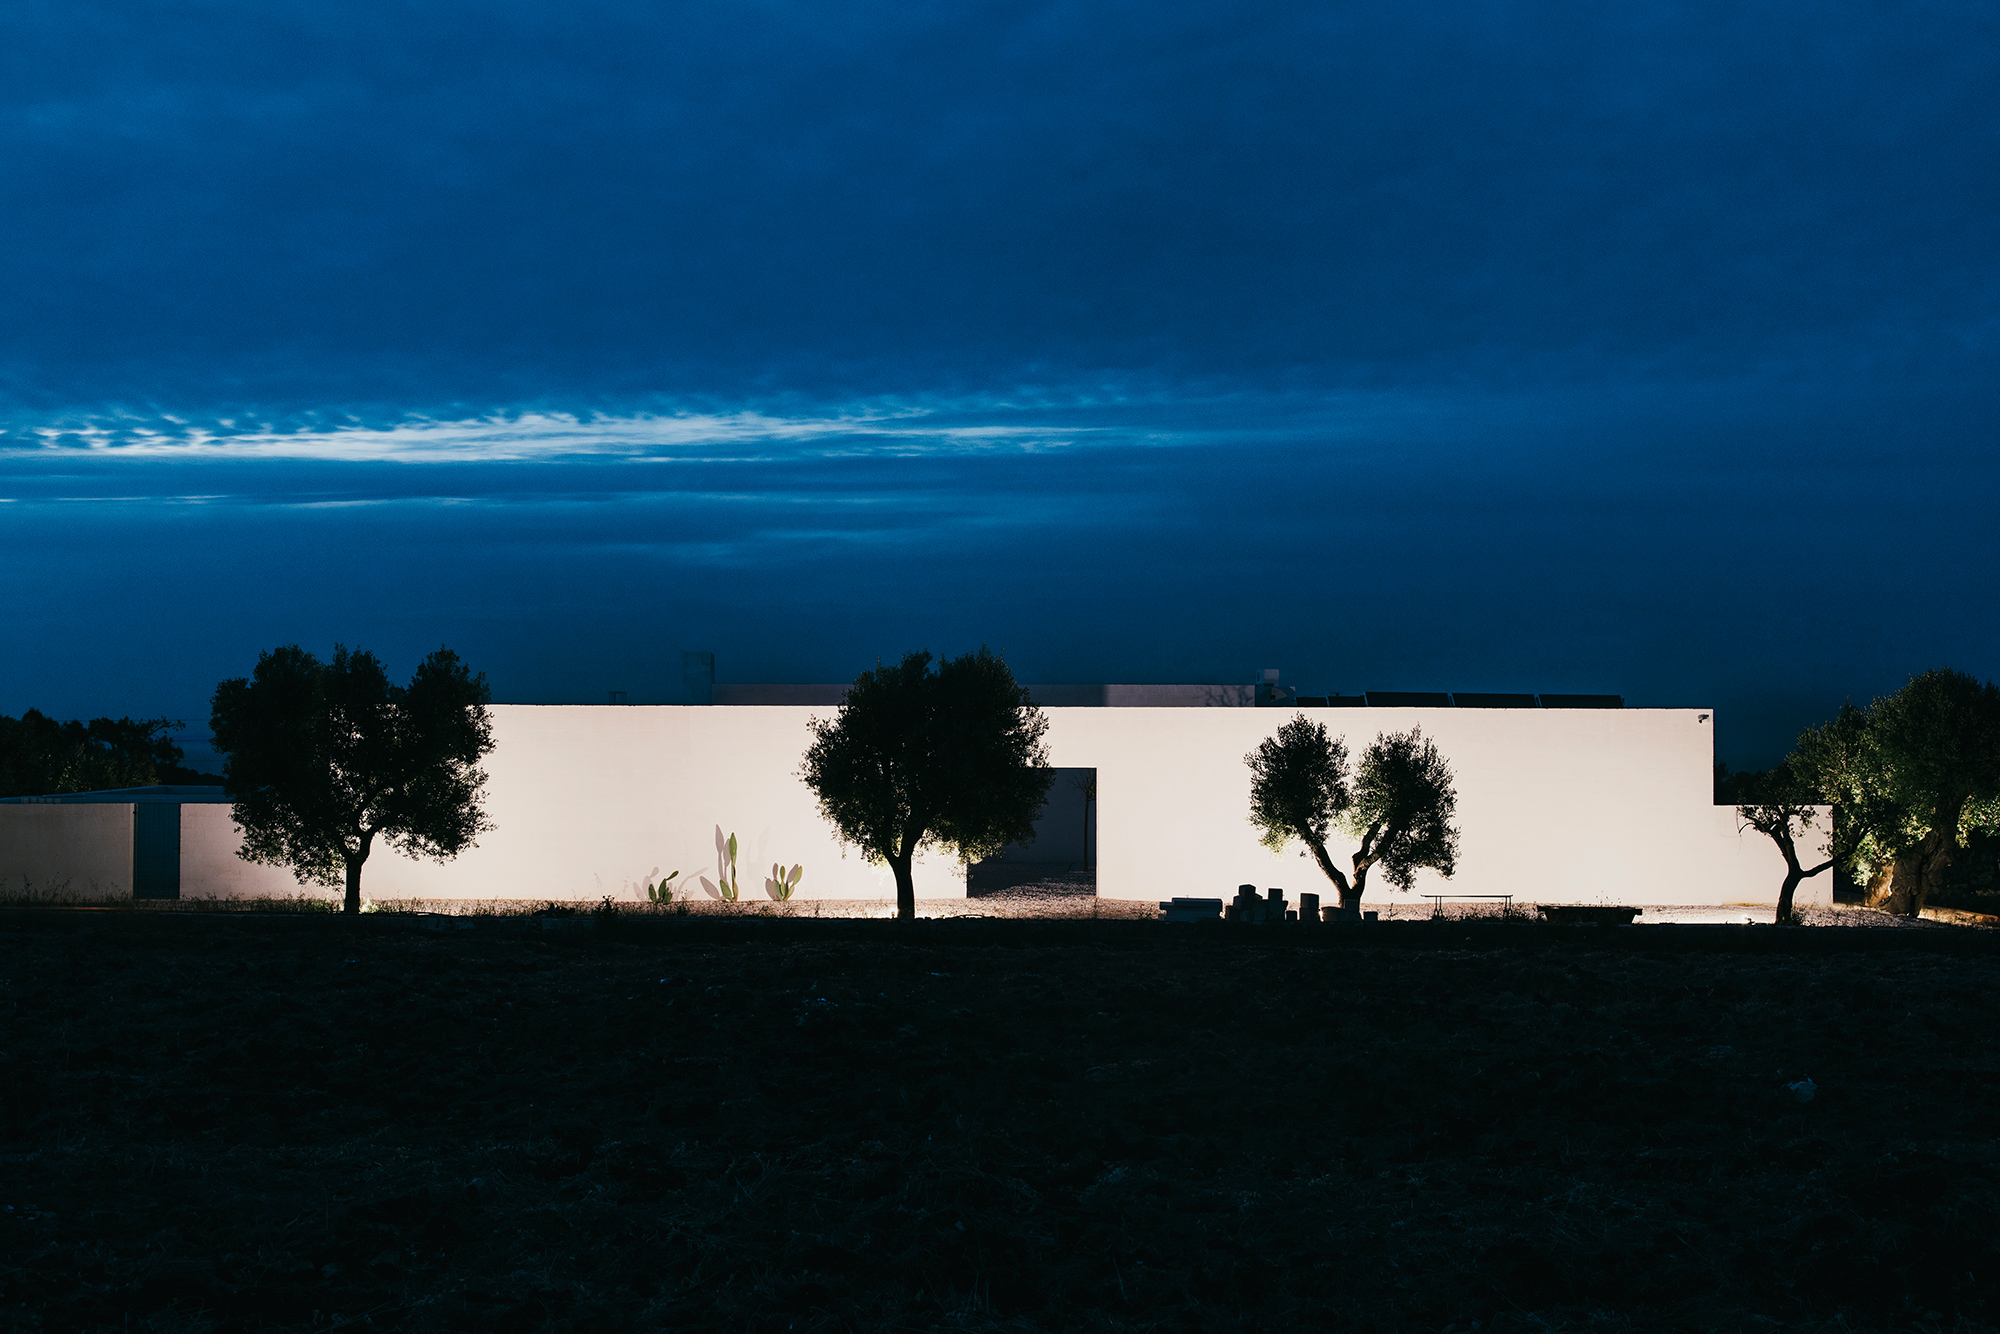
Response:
column 157, row 794
column 1191, row 695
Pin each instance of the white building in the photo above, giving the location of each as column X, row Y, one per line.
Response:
column 1555, row 805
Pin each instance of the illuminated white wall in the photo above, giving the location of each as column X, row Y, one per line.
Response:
column 210, row 867
column 1555, row 805
column 587, row 800
column 1753, row 862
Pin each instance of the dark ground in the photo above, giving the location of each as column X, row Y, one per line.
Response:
column 316, row 1124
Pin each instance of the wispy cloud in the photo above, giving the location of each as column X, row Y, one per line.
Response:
column 527, row 437
column 1027, row 422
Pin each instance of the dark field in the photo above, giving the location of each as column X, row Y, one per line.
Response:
column 316, row 1124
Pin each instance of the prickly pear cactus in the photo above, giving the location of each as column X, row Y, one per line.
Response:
column 783, row 882
column 730, row 888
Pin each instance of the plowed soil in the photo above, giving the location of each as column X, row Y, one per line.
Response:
column 211, row 1126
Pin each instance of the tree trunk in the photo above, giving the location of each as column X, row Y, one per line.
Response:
column 906, row 889
column 1880, row 891
column 1366, row 856
column 1906, row 887
column 1350, row 896
column 355, row 859
column 1903, row 887
column 1907, row 897
column 1353, row 900
column 1792, row 878
column 1793, row 871
column 1935, row 856
column 353, row 902
column 1898, row 887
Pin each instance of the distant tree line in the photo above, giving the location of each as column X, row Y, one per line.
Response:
column 41, row 756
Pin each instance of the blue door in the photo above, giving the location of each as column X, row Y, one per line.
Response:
column 156, row 850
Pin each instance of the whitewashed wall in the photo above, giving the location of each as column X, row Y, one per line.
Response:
column 1585, row 805
column 1582, row 805
column 1555, row 805
column 210, row 867
column 588, row 801
column 1754, row 865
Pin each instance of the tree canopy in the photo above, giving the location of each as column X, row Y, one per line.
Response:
column 41, row 756
column 1299, row 789
column 1398, row 804
column 1913, row 777
column 324, row 758
column 921, row 758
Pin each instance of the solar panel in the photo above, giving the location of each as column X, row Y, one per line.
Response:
column 1583, row 701
column 1409, row 699
column 1468, row 699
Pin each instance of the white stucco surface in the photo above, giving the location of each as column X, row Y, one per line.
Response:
column 210, row 867
column 72, row 851
column 588, row 801
column 1585, row 805
column 1582, row 805
column 1760, row 868
column 1554, row 805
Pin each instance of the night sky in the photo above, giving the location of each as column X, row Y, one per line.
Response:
column 1638, row 348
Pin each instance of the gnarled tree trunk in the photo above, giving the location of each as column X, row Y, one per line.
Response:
column 355, row 858
column 1933, row 858
column 906, row 888
column 1898, row 887
column 1906, row 887
column 1360, row 880
column 1792, row 878
column 1794, row 873
column 1880, row 888
column 1350, row 894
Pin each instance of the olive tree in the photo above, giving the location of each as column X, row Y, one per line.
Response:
column 1398, row 804
column 951, row 757
column 1913, row 777
column 1781, row 804
column 325, row 758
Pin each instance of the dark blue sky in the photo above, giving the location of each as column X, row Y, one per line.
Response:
column 1643, row 348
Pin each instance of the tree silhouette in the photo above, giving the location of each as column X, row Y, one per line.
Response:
column 916, row 758
column 1780, row 804
column 324, row 758
column 1399, row 804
